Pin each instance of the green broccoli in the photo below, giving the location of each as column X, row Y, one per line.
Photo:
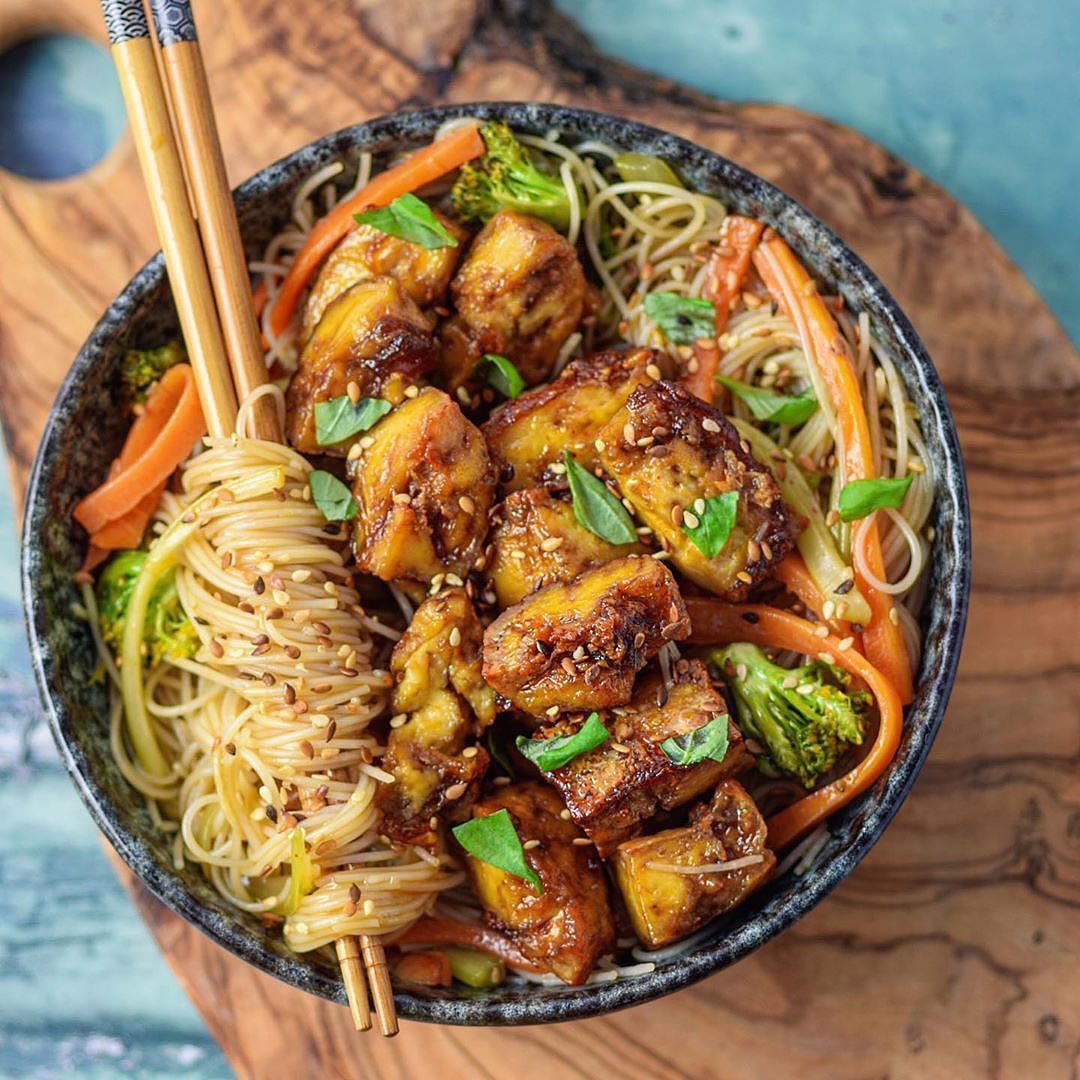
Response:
column 141, row 368
column 805, row 717
column 169, row 632
column 508, row 178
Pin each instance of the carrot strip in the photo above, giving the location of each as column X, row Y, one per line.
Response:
column 797, row 579
column 170, row 425
column 443, row 156
column 795, row 292
column 427, row 931
column 728, row 267
column 713, row 622
column 127, row 530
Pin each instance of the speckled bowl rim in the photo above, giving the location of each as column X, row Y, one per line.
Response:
column 815, row 242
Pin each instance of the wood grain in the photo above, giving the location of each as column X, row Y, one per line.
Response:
column 952, row 951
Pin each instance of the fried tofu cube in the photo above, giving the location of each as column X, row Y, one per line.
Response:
column 566, row 928
column 701, row 458
column 611, row 792
column 424, row 488
column 434, row 780
column 528, row 435
column 441, row 649
column 367, row 252
column 536, row 541
column 373, row 335
column 674, row 882
column 520, row 293
column 579, row 645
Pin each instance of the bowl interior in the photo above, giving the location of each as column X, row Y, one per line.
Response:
column 85, row 430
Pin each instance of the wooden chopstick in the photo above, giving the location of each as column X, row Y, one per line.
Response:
column 195, row 290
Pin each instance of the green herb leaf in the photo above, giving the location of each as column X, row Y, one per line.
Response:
column 331, row 496
column 494, row 840
column 551, row 754
column 862, row 497
column 339, row 419
column 778, row 408
column 497, row 748
column 595, row 508
column 682, row 318
column 501, row 374
column 714, row 525
column 409, row 218
column 708, row 742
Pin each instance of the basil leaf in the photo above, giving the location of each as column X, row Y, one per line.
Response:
column 595, row 508
column 682, row 318
column 338, row 419
column 765, row 405
column 409, row 218
column 331, row 496
column 494, row 840
column 551, row 754
column 714, row 525
column 706, row 743
column 862, row 497
column 501, row 374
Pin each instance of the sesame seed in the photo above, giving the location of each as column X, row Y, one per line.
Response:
column 292, row 652
column 894, row 616
column 349, row 909
column 552, row 543
column 354, row 452
column 690, row 520
column 916, row 466
column 557, row 468
column 568, row 666
column 552, row 710
column 629, row 434
column 845, row 643
column 599, row 444
column 581, row 841
column 367, row 442
column 397, row 721
column 646, row 440
column 412, row 391
column 579, row 653
column 653, row 372
column 454, row 637
column 699, row 506
column 259, row 586
column 766, row 550
column 709, row 424
column 353, row 390
column 216, row 648
column 467, row 505
column 805, row 689
column 306, row 749
column 620, row 748
column 821, row 631
column 529, row 845
column 469, row 752
column 844, row 587
column 564, row 814
column 455, row 791
column 790, row 682
column 828, row 609
column 402, row 498
column 677, row 514
column 744, row 577
column 753, row 550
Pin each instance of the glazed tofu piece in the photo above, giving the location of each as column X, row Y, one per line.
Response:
column 373, row 335
column 566, row 928
column 367, row 252
column 528, row 435
column 697, row 456
column 520, row 293
column 435, row 780
column 578, row 646
column 665, row 904
column 536, row 541
column 441, row 650
column 613, row 790
column 424, row 487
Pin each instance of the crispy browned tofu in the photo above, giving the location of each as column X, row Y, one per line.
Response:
column 441, row 650
column 568, row 927
column 664, row 904
column 693, row 454
column 424, row 488
column 520, row 293
column 613, row 790
column 529, row 434
column 434, row 779
column 367, row 252
column 373, row 335
column 536, row 540
column 578, row 645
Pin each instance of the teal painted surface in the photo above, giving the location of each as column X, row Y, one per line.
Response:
column 980, row 96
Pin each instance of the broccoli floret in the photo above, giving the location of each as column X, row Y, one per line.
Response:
column 168, row 633
column 805, row 717
column 141, row 368
column 508, row 178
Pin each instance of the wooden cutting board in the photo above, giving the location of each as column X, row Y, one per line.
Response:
column 953, row 950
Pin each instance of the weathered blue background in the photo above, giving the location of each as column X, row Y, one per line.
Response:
column 982, row 96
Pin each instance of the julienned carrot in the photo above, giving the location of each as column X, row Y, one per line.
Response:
column 161, row 437
column 127, row 530
column 824, row 345
column 728, row 267
column 797, row 579
column 428, row 931
column 713, row 622
column 428, row 164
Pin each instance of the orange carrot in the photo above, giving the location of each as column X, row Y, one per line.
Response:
column 713, row 622
column 728, row 267
column 443, row 156
column 797, row 295
column 428, row 931
column 170, row 425
column 796, row 577
column 425, row 969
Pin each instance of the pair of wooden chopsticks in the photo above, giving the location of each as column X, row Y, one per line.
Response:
column 210, row 286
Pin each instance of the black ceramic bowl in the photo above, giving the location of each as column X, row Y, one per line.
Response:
column 84, row 433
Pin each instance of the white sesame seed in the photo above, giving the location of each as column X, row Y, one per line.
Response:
column 552, row 543
column 455, row 637
column 529, row 845
column 709, row 424
column 690, row 520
